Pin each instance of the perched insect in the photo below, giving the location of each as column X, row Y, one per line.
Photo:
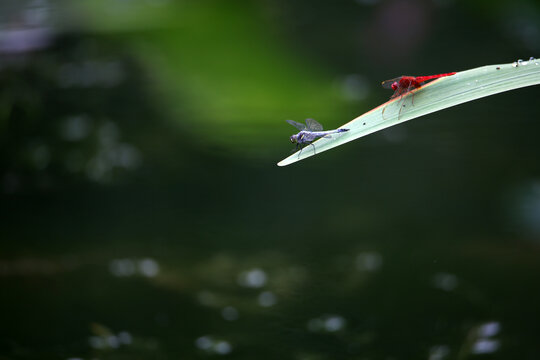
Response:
column 309, row 132
column 404, row 84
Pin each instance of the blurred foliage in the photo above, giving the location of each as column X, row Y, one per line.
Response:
column 230, row 70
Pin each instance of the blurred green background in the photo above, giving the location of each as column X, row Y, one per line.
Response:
column 143, row 215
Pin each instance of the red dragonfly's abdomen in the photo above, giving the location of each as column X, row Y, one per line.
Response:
column 421, row 79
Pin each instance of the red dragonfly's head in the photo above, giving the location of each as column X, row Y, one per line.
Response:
column 394, row 85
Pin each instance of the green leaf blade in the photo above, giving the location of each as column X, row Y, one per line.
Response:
column 440, row 94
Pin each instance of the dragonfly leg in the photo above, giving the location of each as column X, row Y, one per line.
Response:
column 314, row 150
column 412, row 94
column 407, row 92
column 400, row 103
column 399, row 114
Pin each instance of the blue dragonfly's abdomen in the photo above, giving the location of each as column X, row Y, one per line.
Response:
column 309, row 136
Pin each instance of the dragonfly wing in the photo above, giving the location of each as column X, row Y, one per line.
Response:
column 297, row 125
column 387, row 84
column 313, row 125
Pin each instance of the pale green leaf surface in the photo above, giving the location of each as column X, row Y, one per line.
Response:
column 440, row 94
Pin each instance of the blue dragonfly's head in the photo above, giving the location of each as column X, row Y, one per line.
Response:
column 294, row 138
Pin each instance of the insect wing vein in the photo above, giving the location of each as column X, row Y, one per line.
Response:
column 297, row 125
column 313, row 125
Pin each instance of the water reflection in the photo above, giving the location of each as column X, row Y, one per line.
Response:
column 129, row 267
column 484, row 346
column 111, row 154
column 368, row 261
column 480, row 339
column 229, row 313
column 489, row 329
column 76, row 128
column 148, row 267
column 327, row 323
column 211, row 345
column 254, row 278
column 122, row 267
column 207, row 298
column 110, row 341
column 439, row 352
column 267, row 299
column 445, row 281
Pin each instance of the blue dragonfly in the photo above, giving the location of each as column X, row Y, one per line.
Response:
column 309, row 132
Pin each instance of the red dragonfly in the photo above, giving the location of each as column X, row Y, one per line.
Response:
column 403, row 84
